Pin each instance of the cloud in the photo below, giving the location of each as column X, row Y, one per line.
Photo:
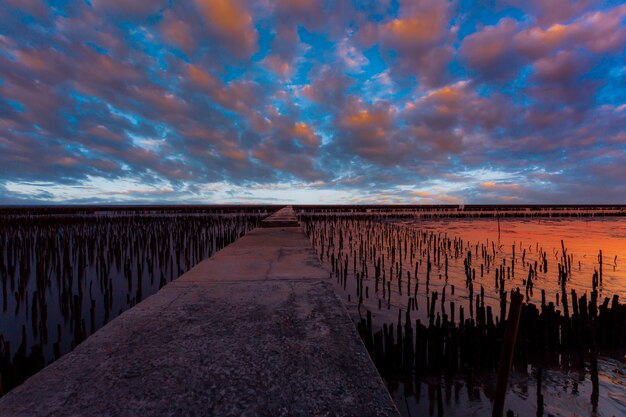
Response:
column 305, row 135
column 352, row 57
column 420, row 39
column 34, row 8
column 500, row 51
column 231, row 22
column 367, row 131
column 565, row 66
column 236, row 96
column 549, row 12
column 177, row 31
column 426, row 197
column 409, row 101
column 490, row 185
column 122, row 9
column 328, row 87
column 490, row 51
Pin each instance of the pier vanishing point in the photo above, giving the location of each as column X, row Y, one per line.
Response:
column 255, row 330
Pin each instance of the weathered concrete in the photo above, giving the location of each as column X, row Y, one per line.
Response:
column 284, row 217
column 257, row 330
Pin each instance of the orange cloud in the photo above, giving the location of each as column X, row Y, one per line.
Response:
column 301, row 129
column 536, row 41
column 420, row 39
column 426, row 197
column 450, row 199
column 451, row 94
column 364, row 118
column 415, row 29
column 231, row 21
column 500, row 186
column 305, row 134
column 198, row 76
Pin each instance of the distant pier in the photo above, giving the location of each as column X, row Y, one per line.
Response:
column 256, row 330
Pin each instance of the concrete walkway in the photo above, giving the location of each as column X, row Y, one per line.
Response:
column 256, row 330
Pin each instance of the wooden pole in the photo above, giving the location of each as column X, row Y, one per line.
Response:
column 507, row 353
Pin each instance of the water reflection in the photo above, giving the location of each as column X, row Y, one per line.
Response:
column 429, row 292
column 534, row 391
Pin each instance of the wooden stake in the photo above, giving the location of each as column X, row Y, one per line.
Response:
column 507, row 353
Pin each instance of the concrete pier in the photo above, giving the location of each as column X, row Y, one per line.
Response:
column 256, row 330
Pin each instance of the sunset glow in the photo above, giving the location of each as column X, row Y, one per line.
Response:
column 312, row 101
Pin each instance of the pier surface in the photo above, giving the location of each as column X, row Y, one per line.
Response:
column 256, row 330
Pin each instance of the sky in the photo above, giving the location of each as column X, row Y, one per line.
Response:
column 312, row 101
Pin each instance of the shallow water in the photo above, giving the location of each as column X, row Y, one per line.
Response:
column 565, row 394
column 583, row 238
column 408, row 242
column 63, row 276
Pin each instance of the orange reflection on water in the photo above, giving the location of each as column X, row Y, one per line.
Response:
column 582, row 238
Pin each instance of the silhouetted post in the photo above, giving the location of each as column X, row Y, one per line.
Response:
column 539, row 394
column 507, row 353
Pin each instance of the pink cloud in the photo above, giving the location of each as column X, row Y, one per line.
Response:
column 602, row 32
column 327, row 87
column 536, row 41
column 309, row 11
column 284, row 45
column 35, row 8
column 502, row 49
column 279, row 65
column 102, row 133
column 490, row 50
column 562, row 67
column 157, row 102
column 239, row 96
column 457, row 105
column 178, row 32
column 298, row 164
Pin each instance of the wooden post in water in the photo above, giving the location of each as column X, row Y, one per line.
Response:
column 507, row 353
column 600, row 262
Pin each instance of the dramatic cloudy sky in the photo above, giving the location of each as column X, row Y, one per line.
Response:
column 346, row 101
